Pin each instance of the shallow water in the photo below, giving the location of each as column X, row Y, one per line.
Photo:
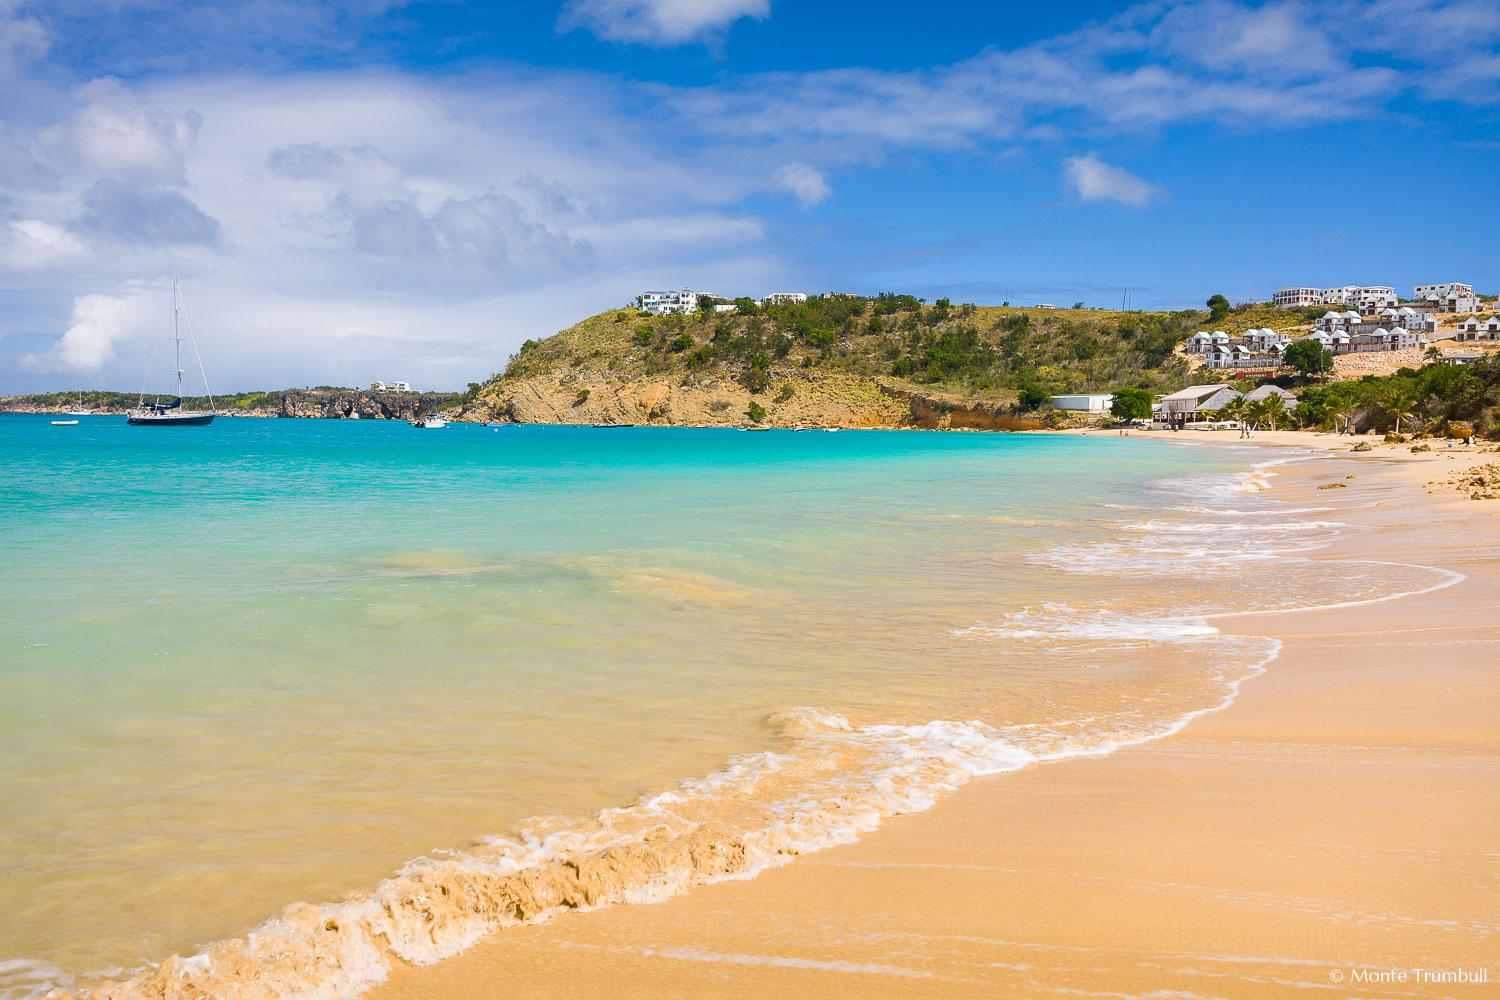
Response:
column 271, row 661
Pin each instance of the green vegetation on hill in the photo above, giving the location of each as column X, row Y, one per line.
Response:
column 1438, row 398
column 980, row 351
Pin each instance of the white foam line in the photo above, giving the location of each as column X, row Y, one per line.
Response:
column 1454, row 577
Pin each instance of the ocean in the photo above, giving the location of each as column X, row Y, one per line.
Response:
column 363, row 692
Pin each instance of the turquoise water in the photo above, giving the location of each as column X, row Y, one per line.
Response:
column 271, row 661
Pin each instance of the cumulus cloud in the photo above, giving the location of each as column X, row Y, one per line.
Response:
column 658, row 22
column 1094, row 180
column 98, row 323
column 808, row 184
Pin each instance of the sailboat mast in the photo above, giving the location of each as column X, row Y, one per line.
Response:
column 177, row 336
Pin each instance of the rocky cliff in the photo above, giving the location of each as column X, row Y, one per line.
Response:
column 366, row 404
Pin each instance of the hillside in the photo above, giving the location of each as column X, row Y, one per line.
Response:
column 884, row 361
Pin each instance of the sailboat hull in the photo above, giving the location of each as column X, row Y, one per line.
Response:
column 170, row 419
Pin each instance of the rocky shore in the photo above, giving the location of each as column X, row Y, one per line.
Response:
column 323, row 403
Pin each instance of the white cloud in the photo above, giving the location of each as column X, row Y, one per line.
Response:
column 97, row 324
column 1094, row 180
column 659, row 22
column 808, row 184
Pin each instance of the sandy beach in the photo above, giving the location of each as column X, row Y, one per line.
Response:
column 1331, row 833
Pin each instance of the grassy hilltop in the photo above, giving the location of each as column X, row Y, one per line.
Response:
column 856, row 361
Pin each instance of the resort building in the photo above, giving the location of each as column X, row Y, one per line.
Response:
column 390, row 386
column 725, row 307
column 684, row 302
column 1256, row 395
column 1260, row 348
column 1442, row 291
column 1366, row 299
column 1084, row 403
column 784, row 299
column 1359, row 338
column 1197, row 404
column 1475, row 328
column 1288, row 298
column 1461, row 358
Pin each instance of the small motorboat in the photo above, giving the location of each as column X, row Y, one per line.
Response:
column 64, row 423
column 430, row 423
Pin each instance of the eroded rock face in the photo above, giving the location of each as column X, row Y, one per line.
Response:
column 369, row 405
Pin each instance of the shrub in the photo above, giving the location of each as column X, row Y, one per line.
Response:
column 756, row 411
column 583, row 395
column 1033, row 397
column 644, row 335
column 683, row 342
column 786, row 393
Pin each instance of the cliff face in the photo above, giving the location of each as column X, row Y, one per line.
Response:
column 369, row 405
column 794, row 397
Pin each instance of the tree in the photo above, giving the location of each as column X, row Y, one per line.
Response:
column 756, row 411
column 1033, row 397
column 1432, row 355
column 1398, row 404
column 1218, row 307
column 1308, row 357
column 1131, row 404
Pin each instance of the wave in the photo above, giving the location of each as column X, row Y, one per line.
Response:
column 1054, row 622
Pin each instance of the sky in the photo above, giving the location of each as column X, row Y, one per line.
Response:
column 370, row 189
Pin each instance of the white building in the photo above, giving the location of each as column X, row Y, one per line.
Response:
column 784, row 299
column 1288, row 298
column 391, row 386
column 1083, row 403
column 1364, row 298
column 662, row 303
column 725, row 307
column 1475, row 328
column 1443, row 291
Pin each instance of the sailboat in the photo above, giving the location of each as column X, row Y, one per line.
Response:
column 80, row 412
column 171, row 413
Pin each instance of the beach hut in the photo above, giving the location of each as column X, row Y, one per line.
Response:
column 1265, row 391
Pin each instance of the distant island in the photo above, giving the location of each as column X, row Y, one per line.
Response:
column 323, row 401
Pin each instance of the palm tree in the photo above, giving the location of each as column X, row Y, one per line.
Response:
column 1270, row 408
column 1398, row 405
column 1345, row 416
column 1432, row 355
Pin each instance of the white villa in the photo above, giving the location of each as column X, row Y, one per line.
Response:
column 784, row 299
column 390, row 387
column 1442, row 291
column 1260, row 348
column 1288, row 298
column 1342, row 341
column 1084, row 402
column 662, row 303
column 1475, row 328
column 1367, row 298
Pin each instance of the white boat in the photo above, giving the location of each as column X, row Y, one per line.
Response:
column 64, row 423
column 432, row 423
column 171, row 414
column 80, row 412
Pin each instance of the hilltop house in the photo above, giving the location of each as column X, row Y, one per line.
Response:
column 1442, row 291
column 1289, row 298
column 390, row 387
column 684, row 301
column 784, row 299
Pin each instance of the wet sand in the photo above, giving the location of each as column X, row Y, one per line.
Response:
column 1331, row 832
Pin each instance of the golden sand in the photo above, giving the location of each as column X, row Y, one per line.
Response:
column 1333, row 833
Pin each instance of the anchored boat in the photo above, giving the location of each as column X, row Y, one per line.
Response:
column 171, row 413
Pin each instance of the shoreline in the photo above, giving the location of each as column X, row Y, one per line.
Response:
column 933, row 879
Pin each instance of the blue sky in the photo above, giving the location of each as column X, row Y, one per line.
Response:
column 370, row 189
